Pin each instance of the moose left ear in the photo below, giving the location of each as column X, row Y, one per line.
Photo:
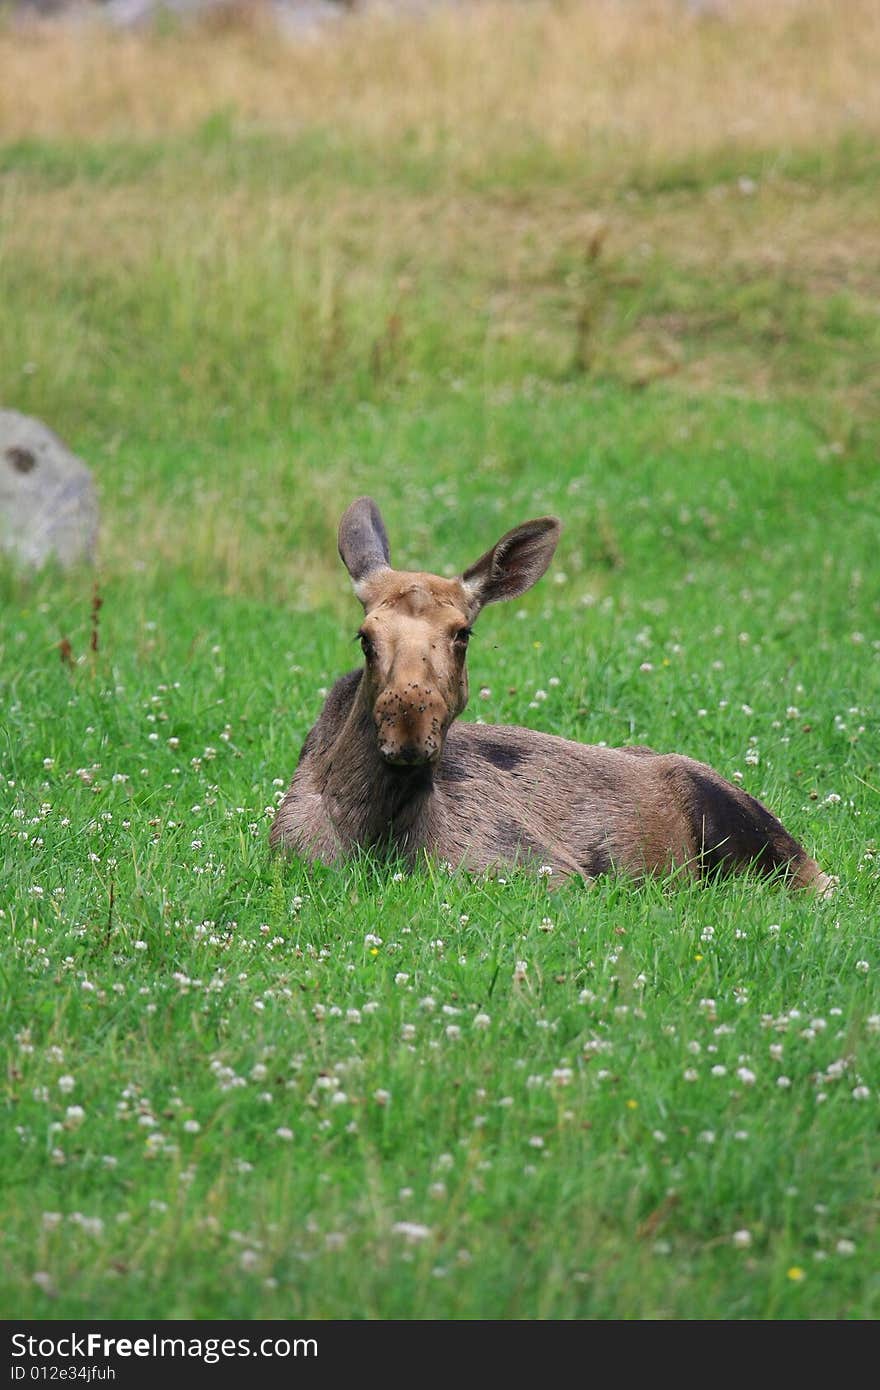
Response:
column 514, row 564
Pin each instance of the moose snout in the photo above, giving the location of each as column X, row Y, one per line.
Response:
column 411, row 722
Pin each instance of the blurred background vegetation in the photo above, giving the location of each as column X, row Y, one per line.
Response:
column 238, row 268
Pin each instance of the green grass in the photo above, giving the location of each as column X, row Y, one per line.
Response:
column 277, row 1066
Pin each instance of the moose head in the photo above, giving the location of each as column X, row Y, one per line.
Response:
column 416, row 627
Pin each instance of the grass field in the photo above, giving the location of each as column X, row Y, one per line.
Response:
column 618, row 263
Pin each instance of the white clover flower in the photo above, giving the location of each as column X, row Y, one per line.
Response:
column 861, row 1093
column 845, row 1247
column 747, row 1077
column 411, row 1231
column 482, row 1021
column 66, row 1084
column 74, row 1116
column 862, row 966
column 741, row 1240
column 284, row 1133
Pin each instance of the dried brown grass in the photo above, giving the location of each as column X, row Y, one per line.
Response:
column 476, row 80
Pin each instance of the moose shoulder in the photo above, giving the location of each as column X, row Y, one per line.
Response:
column 385, row 766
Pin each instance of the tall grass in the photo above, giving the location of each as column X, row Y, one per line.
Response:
column 465, row 85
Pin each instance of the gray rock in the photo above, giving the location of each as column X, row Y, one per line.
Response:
column 48, row 506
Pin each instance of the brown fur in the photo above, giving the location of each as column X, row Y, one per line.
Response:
column 385, row 767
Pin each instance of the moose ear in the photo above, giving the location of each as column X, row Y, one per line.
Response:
column 363, row 541
column 514, row 564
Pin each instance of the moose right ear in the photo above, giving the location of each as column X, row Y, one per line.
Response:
column 363, row 541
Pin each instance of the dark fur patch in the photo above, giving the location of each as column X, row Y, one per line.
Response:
column 453, row 767
column 404, row 784
column 500, row 755
column 596, row 861
column 733, row 829
column 513, row 842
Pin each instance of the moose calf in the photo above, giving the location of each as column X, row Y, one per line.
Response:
column 385, row 766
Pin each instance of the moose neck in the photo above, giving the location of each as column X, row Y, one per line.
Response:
column 369, row 801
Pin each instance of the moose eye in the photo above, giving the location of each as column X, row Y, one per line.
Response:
column 462, row 637
column 366, row 643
